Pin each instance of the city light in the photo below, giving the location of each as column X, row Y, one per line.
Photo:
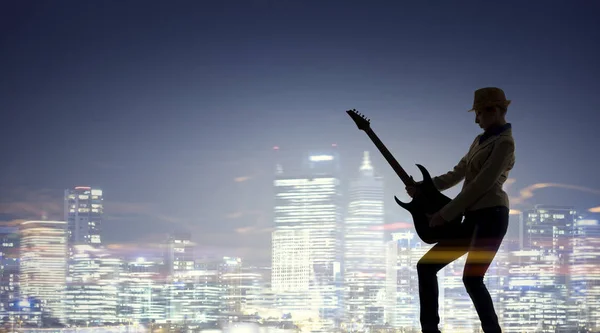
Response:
column 320, row 158
column 330, row 270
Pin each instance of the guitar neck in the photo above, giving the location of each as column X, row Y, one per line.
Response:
column 390, row 158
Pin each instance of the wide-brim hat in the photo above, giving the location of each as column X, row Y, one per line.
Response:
column 489, row 96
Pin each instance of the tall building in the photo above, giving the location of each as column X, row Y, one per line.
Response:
column 253, row 282
column 292, row 271
column 402, row 285
column 456, row 308
column 44, row 264
column 211, row 292
column 585, row 276
column 230, row 276
column 550, row 232
column 364, row 249
column 195, row 296
column 528, row 303
column 9, row 269
column 239, row 286
column 83, row 212
column 308, row 209
column 92, row 286
column 142, row 291
column 183, row 279
column 179, row 253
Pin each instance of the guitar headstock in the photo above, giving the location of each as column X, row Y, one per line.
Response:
column 362, row 122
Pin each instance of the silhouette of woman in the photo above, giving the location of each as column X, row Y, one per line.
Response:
column 485, row 205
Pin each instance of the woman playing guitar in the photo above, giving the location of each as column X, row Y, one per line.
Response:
column 485, row 206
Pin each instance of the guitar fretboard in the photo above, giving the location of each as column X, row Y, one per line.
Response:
column 390, row 158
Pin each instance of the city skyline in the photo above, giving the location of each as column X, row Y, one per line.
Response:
column 394, row 216
column 544, row 279
column 554, row 271
column 173, row 109
column 191, row 163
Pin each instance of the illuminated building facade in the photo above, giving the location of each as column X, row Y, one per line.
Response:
column 402, row 285
column 252, row 285
column 195, row 296
column 83, row 212
column 238, row 286
column 43, row 264
column 457, row 312
column 364, row 248
column 142, row 292
column 291, row 271
column 527, row 299
column 92, row 286
column 230, row 271
column 308, row 211
column 585, row 276
column 9, row 269
column 550, row 231
column 179, row 254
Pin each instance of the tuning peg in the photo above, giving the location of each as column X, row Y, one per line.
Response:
column 369, row 119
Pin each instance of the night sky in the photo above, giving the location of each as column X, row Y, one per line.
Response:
column 173, row 107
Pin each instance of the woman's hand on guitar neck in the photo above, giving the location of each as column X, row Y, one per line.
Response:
column 412, row 190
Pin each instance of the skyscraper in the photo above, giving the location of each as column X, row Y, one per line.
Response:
column 230, row 277
column 550, row 232
column 195, row 296
column 179, row 253
column 44, row 264
column 182, row 278
column 9, row 268
column 402, row 285
column 456, row 308
column 92, row 286
column 83, row 212
column 308, row 210
column 142, row 291
column 364, row 250
column 291, row 271
column 527, row 299
column 584, row 275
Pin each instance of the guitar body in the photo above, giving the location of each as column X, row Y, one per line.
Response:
column 429, row 200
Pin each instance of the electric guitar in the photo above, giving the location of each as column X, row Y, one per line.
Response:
column 427, row 201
